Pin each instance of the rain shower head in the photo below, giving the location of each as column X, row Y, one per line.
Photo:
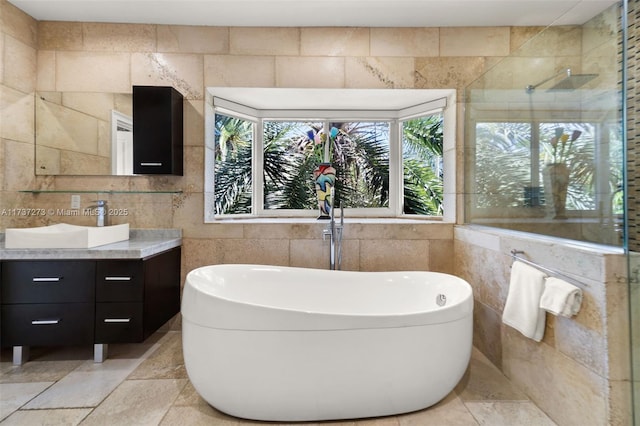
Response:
column 569, row 82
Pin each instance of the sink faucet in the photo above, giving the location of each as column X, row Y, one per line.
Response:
column 335, row 235
column 102, row 213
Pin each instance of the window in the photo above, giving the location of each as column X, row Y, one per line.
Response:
column 510, row 159
column 261, row 162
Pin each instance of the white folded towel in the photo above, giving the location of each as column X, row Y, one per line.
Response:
column 522, row 309
column 561, row 298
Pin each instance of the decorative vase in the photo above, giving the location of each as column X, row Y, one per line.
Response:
column 324, row 177
column 556, row 182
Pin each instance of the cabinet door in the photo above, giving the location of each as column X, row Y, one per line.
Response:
column 157, row 130
column 65, row 281
column 118, row 323
column 48, row 324
column 119, row 281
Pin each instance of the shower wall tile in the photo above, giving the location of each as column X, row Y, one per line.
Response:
column 474, row 41
column 182, row 71
column 518, row 36
column 57, row 35
column 410, row 42
column 193, row 39
column 307, row 71
column 264, row 41
column 554, row 41
column 119, row 37
column 93, row 72
column 320, row 41
column 240, row 70
column 379, row 72
column 19, row 65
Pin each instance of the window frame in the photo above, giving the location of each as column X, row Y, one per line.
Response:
column 444, row 105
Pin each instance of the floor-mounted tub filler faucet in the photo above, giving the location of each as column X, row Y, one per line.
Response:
column 335, row 235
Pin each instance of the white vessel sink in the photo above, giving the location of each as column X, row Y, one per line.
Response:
column 63, row 235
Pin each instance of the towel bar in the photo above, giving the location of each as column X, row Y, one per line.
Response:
column 557, row 274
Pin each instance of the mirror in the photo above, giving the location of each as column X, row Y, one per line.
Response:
column 84, row 133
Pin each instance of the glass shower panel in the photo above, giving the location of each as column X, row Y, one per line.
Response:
column 556, row 100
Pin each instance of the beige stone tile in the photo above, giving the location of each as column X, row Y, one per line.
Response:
column 2, row 65
column 320, row 41
column 182, row 71
column 394, row 255
column 450, row 411
column 15, row 395
column 194, row 169
column 484, row 382
column 142, row 402
column 18, row 24
column 203, row 415
column 194, row 123
column 118, row 37
column 68, row 417
column 383, row 421
column 46, row 70
column 258, row 251
column 555, row 41
column 19, row 65
column 563, row 388
column 379, row 72
column 474, row 41
column 310, row 72
column 264, row 41
column 487, row 324
column 244, row 71
column 165, row 363
column 399, row 230
column 448, row 72
column 404, row 42
column 17, row 115
column 520, row 35
column 93, row 72
column 86, row 386
column 18, row 165
column 581, row 344
column 441, row 256
column 309, row 254
column 58, row 35
column 508, row 413
column 193, row 39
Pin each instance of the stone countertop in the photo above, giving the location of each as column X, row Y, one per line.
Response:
column 141, row 243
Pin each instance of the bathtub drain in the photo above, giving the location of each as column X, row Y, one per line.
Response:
column 441, row 299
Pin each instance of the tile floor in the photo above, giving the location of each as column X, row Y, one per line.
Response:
column 147, row 384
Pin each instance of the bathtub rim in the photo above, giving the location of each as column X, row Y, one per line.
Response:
column 214, row 311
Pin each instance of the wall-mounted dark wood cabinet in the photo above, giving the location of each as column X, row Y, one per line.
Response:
column 157, row 130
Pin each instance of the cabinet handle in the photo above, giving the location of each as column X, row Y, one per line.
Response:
column 117, row 278
column 45, row 322
column 117, row 320
column 46, row 279
column 151, row 164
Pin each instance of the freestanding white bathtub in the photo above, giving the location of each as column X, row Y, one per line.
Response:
column 294, row 344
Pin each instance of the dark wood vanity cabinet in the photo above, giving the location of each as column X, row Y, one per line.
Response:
column 75, row 302
column 135, row 297
column 157, row 130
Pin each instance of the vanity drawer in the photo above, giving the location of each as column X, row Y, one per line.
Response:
column 66, row 281
column 47, row 324
column 119, row 281
column 118, row 323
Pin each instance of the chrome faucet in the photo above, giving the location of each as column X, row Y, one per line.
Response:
column 102, row 213
column 335, row 235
